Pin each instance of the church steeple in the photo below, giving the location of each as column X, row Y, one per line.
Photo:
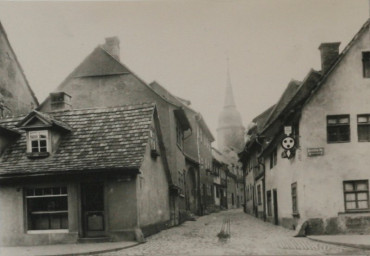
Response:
column 230, row 131
column 229, row 96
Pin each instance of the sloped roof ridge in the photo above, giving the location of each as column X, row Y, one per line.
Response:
column 264, row 112
column 106, row 109
column 200, row 116
column 296, row 82
column 18, row 64
column 339, row 59
column 137, row 77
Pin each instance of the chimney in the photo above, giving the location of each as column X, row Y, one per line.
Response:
column 329, row 53
column 112, row 46
column 60, row 101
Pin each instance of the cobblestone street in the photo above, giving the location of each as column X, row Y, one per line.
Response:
column 249, row 236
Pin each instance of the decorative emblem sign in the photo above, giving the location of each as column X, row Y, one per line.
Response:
column 288, row 144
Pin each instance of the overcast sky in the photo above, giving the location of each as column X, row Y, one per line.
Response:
column 184, row 45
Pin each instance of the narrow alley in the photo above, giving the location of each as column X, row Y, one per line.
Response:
column 249, row 236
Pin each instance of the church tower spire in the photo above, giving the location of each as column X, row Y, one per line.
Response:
column 230, row 131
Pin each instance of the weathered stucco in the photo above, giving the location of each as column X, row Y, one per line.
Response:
column 153, row 191
column 320, row 178
column 14, row 88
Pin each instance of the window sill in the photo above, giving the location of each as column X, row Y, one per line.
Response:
column 354, row 211
column 336, row 142
column 37, row 154
column 48, row 231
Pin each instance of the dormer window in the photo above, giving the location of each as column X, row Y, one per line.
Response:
column 38, row 141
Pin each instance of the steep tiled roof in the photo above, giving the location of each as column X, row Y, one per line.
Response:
column 46, row 118
column 102, row 138
column 283, row 101
column 293, row 96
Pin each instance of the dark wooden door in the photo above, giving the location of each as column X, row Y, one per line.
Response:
column 276, row 218
column 92, row 199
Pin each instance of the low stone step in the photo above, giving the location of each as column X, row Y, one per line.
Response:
column 86, row 240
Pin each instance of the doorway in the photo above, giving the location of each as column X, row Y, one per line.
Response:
column 92, row 206
column 276, row 218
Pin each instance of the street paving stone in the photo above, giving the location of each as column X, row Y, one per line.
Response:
column 249, row 236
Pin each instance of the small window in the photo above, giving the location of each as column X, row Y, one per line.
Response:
column 47, row 208
column 294, row 198
column 338, row 129
column 363, row 127
column 356, row 195
column 38, row 141
column 366, row 64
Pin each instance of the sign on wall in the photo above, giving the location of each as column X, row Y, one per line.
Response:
column 315, row 152
column 288, row 144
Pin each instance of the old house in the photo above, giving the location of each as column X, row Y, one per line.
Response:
column 102, row 80
column 219, row 172
column 321, row 183
column 198, row 156
column 68, row 176
column 16, row 95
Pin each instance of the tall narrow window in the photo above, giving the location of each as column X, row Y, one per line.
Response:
column 37, row 141
column 356, row 195
column 366, row 64
column 338, row 129
column 259, row 196
column 47, row 208
column 269, row 203
column 363, row 127
column 294, row 198
column 179, row 135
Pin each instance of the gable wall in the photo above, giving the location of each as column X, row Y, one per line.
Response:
column 13, row 86
column 109, row 91
column 153, row 190
column 344, row 92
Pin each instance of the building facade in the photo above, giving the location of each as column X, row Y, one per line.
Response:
column 80, row 176
column 320, row 185
column 101, row 80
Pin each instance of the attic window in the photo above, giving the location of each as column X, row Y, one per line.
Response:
column 38, row 143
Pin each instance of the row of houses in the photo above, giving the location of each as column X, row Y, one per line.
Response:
column 306, row 158
column 105, row 157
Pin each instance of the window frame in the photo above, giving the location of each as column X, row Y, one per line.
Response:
column 366, row 68
column 63, row 193
column 356, row 192
column 337, row 124
column 294, row 188
column 39, row 133
column 363, row 124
